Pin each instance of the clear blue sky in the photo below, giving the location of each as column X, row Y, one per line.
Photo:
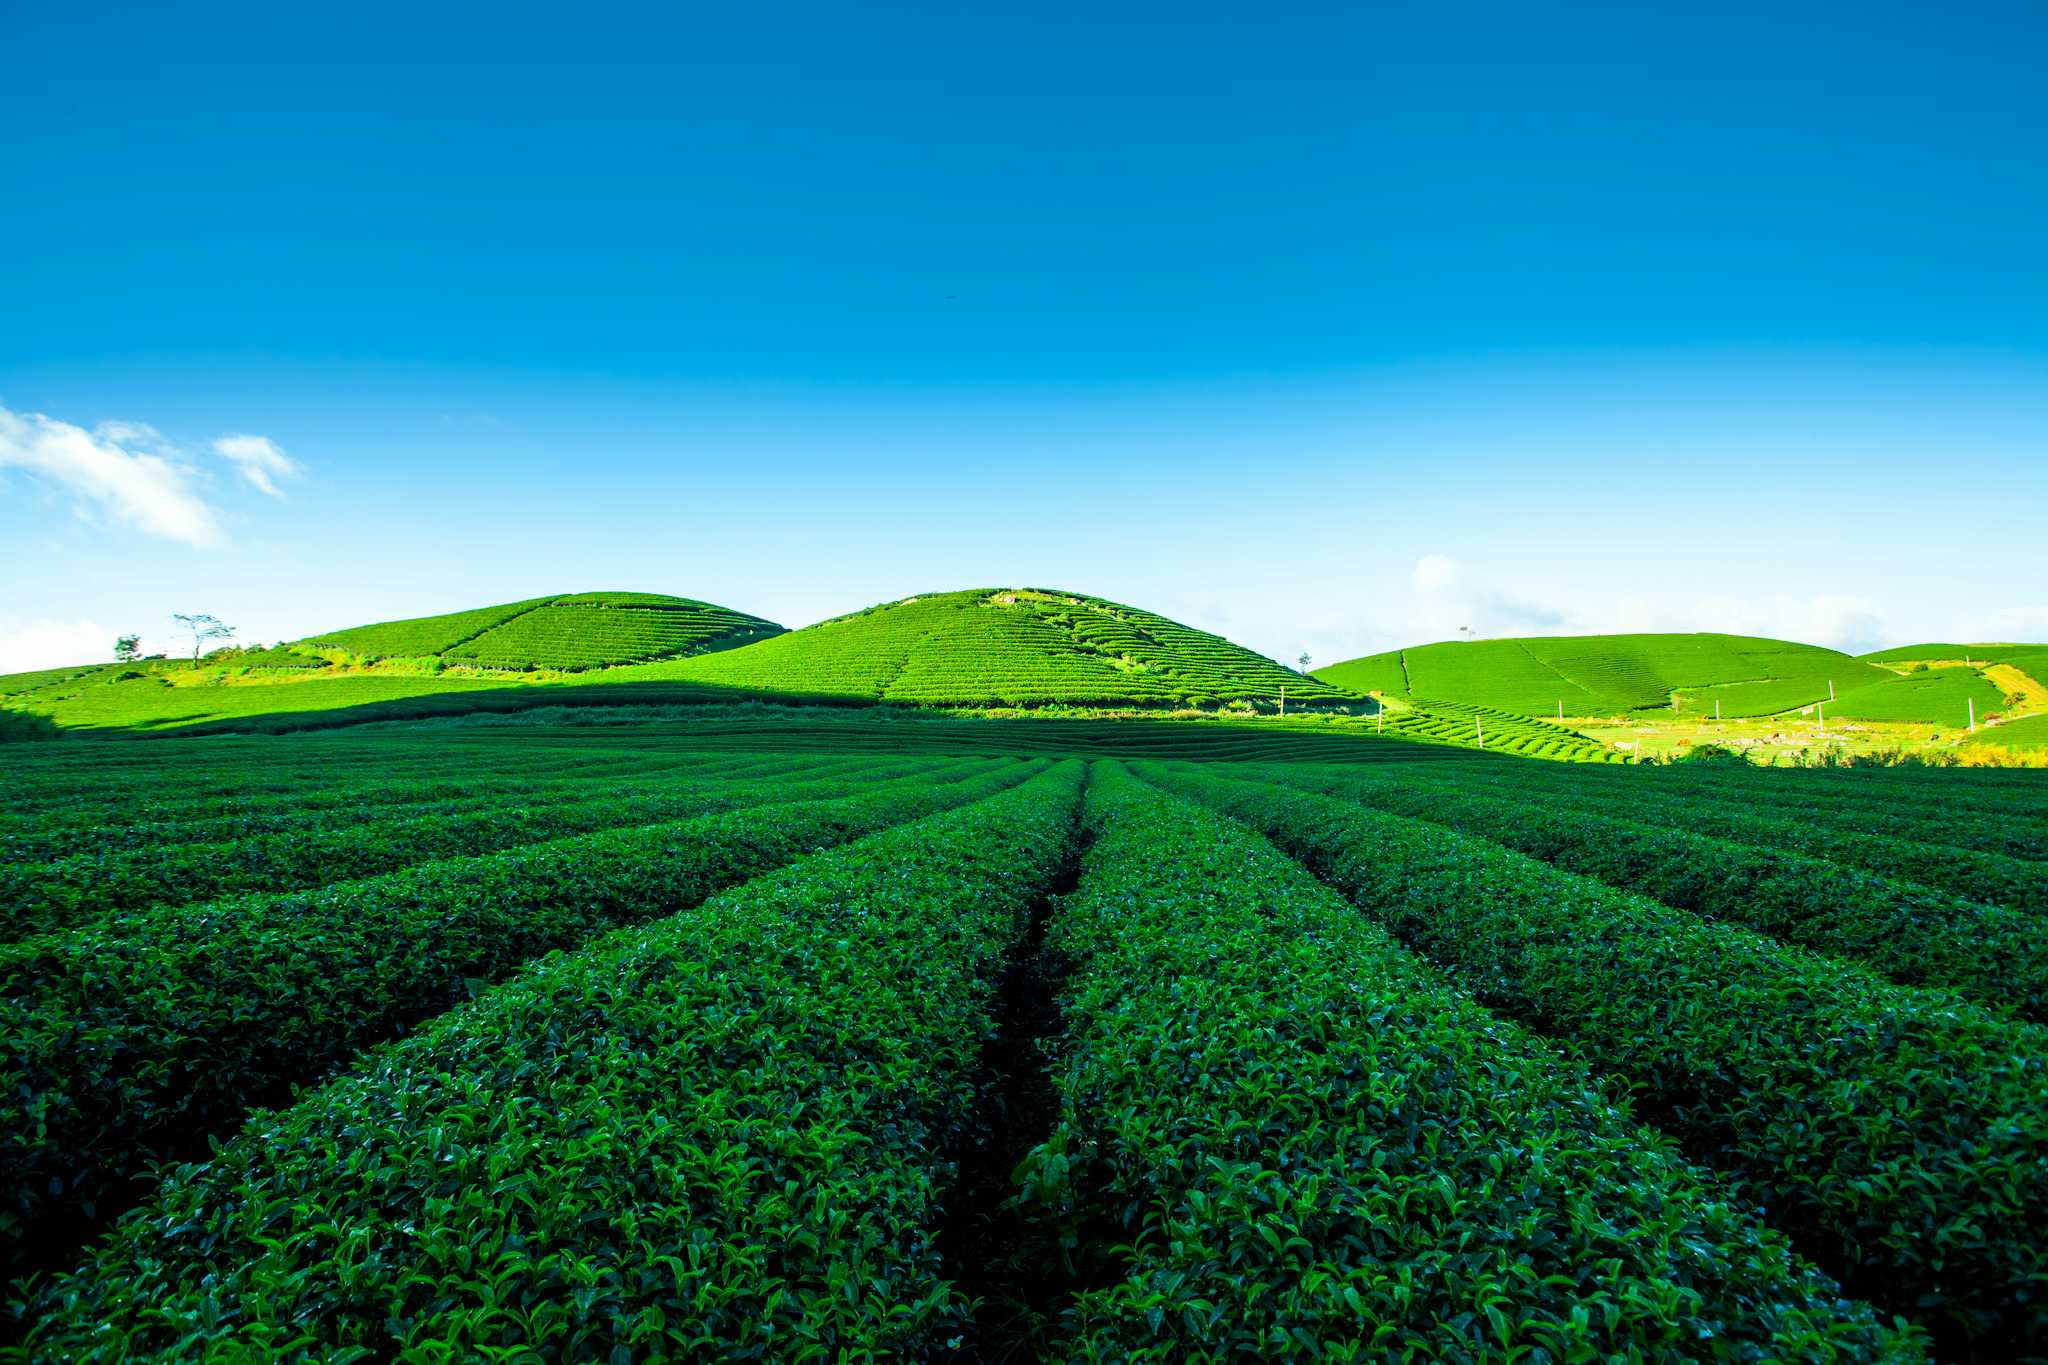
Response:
column 1330, row 327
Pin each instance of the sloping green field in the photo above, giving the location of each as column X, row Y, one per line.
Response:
column 583, row 630
column 1589, row 675
column 2026, row 735
column 1937, row 696
column 1018, row 647
column 1977, row 653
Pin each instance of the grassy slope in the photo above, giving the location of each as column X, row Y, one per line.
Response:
column 577, row 631
column 2028, row 735
column 980, row 649
column 1977, row 653
column 1611, row 674
column 1937, row 696
column 988, row 647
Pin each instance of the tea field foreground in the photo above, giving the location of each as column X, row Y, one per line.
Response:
column 686, row 1032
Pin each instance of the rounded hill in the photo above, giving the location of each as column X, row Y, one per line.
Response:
column 1023, row 647
column 578, row 631
column 1599, row 675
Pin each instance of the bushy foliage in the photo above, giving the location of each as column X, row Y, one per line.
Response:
column 134, row 1037
column 1992, row 954
column 1888, row 843
column 742, row 1155
column 1293, row 1137
column 1899, row 1135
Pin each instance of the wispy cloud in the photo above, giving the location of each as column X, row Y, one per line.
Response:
column 123, row 471
column 258, row 459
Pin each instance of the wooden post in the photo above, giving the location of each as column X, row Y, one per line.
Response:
column 1973, row 713
column 1283, row 699
column 1480, row 726
column 1560, row 710
column 1717, row 708
column 1831, row 689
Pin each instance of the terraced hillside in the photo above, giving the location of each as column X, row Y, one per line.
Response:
column 1008, row 647
column 583, row 630
column 1598, row 675
column 746, row 1041
column 983, row 649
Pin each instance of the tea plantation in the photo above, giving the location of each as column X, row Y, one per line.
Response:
column 673, row 1032
column 1706, row 676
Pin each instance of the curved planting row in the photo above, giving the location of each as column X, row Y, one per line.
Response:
column 315, row 808
column 130, row 1041
column 1293, row 1138
column 727, row 1133
column 37, row 897
column 1979, row 813
column 349, row 778
column 1995, row 877
column 1992, row 954
column 1900, row 1136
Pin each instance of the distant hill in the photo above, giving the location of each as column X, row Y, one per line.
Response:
column 1599, row 675
column 1690, row 675
column 1007, row 647
column 583, row 630
column 981, row 649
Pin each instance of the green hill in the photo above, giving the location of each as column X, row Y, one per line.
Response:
column 584, row 630
column 979, row 650
column 1598, row 675
column 1935, row 696
column 1021, row 647
column 1977, row 653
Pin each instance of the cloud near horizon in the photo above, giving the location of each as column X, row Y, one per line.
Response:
column 130, row 474
column 1450, row 598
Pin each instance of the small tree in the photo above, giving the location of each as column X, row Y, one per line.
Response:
column 1303, row 661
column 205, row 630
column 127, row 649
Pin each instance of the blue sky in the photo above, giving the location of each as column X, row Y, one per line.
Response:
column 1331, row 328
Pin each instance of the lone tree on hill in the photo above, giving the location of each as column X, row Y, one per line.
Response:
column 1303, row 661
column 205, row 629
column 127, row 648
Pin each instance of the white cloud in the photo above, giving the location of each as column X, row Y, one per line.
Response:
column 1448, row 601
column 54, row 644
column 258, row 459
column 111, row 472
column 2024, row 625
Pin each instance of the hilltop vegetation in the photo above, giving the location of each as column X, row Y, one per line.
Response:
column 1013, row 650
column 1599, row 675
column 567, row 634
column 1014, row 647
column 1707, row 677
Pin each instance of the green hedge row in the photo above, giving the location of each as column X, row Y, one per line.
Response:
column 1992, row 954
column 302, row 812
column 725, row 1135
column 1295, row 1141
column 169, row 793
column 39, row 897
column 1979, row 811
column 129, row 1041
column 1971, row 873
column 1900, row 1136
